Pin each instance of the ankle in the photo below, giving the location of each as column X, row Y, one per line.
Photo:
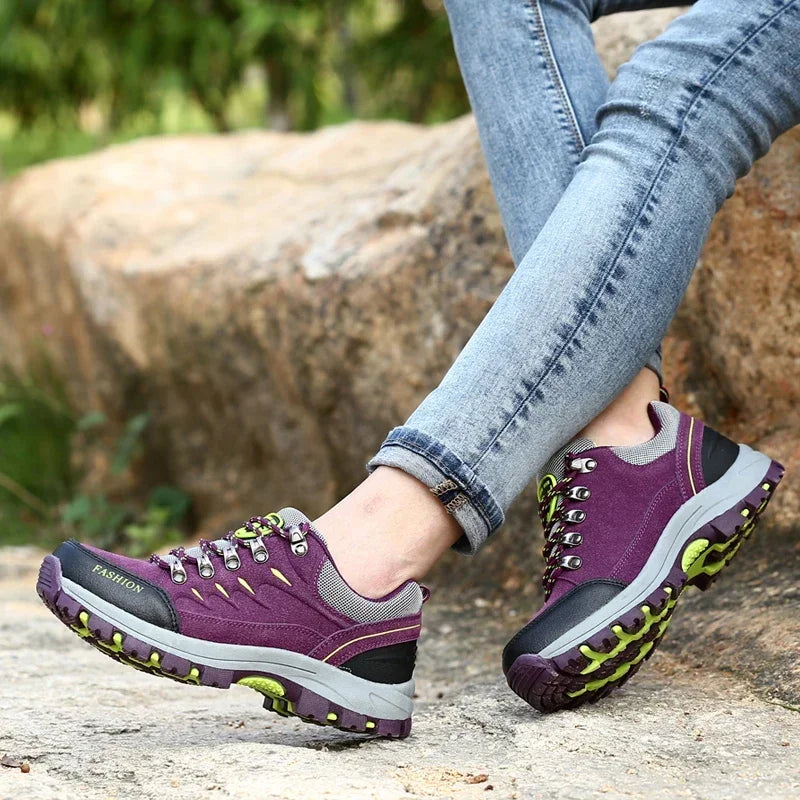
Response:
column 626, row 421
column 389, row 530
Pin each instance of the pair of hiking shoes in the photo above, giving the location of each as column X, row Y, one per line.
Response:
column 627, row 529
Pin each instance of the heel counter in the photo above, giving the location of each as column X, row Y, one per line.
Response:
column 718, row 453
column 393, row 663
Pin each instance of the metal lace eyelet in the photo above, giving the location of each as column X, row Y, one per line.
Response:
column 232, row 562
column 259, row 551
column 571, row 562
column 297, row 541
column 205, row 566
column 177, row 573
column 571, row 539
column 583, row 464
column 206, row 571
column 574, row 515
column 579, row 493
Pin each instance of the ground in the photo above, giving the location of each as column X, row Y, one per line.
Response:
column 703, row 719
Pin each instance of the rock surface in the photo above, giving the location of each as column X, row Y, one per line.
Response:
column 280, row 301
column 685, row 727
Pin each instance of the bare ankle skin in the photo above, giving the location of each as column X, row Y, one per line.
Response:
column 391, row 529
column 388, row 530
column 626, row 422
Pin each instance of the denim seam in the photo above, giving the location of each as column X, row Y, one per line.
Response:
column 650, row 194
column 551, row 64
column 466, row 483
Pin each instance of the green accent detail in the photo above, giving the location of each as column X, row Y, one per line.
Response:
column 115, row 645
column 623, row 669
column 275, row 693
column 266, row 686
column 548, row 482
column 766, row 487
column 153, row 666
column 83, row 631
column 624, row 638
column 693, row 552
column 745, row 512
column 260, row 530
column 192, row 677
column 698, row 552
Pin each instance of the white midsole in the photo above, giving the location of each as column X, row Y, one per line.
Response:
column 386, row 701
column 742, row 477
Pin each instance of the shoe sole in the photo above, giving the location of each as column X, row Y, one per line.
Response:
column 610, row 655
column 282, row 695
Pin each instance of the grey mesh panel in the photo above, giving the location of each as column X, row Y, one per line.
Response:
column 555, row 466
column 338, row 595
column 661, row 443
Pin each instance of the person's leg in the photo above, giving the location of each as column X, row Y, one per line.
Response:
column 594, row 295
column 535, row 83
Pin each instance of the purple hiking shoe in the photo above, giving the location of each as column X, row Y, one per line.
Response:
column 263, row 607
column 627, row 529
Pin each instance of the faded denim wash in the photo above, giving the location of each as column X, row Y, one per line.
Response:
column 607, row 194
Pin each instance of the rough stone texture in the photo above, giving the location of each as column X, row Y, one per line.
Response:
column 280, row 301
column 686, row 726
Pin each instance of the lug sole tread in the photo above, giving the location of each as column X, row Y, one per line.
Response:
column 290, row 700
column 610, row 657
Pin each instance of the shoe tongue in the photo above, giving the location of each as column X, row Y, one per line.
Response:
column 292, row 516
column 555, row 466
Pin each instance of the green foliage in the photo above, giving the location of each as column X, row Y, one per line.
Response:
column 36, row 426
column 110, row 525
column 79, row 73
column 41, row 499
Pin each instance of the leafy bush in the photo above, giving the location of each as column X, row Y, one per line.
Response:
column 80, row 74
column 41, row 499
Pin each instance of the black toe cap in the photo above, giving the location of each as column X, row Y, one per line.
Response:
column 574, row 607
column 127, row 591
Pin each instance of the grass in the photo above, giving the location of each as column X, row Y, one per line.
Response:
column 44, row 447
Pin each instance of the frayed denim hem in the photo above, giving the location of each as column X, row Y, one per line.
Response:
column 449, row 478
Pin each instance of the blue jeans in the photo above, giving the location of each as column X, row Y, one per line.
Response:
column 607, row 194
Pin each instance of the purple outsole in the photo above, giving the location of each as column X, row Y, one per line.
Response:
column 547, row 683
column 297, row 700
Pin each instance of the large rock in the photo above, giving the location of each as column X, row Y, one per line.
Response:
column 280, row 301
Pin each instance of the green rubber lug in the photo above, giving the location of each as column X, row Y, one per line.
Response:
column 266, row 686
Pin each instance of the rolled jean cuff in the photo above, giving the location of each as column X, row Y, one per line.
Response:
column 654, row 363
column 467, row 499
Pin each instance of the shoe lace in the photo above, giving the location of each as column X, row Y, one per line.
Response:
column 250, row 535
column 554, row 496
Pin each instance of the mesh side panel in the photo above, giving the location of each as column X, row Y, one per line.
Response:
column 661, row 443
column 338, row 595
column 555, row 466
